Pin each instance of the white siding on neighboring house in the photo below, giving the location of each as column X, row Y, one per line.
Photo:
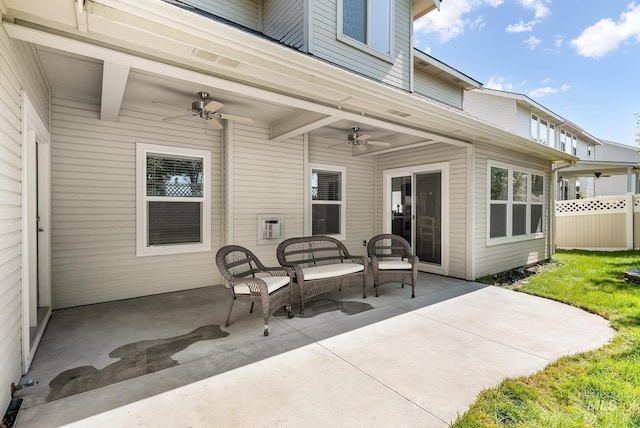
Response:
column 284, row 20
column 94, row 205
column 267, row 179
column 437, row 89
column 360, row 189
column 497, row 110
column 523, row 118
column 243, row 12
column 457, row 159
column 19, row 69
column 325, row 45
column 492, row 259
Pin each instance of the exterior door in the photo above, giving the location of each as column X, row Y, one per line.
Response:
column 36, row 255
column 415, row 201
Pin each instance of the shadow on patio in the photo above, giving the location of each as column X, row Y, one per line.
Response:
column 123, row 351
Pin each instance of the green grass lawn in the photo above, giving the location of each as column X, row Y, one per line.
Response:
column 600, row 388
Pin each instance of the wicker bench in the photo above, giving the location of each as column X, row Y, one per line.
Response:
column 322, row 264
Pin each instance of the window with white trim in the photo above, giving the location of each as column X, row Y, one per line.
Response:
column 173, row 200
column 328, row 213
column 516, row 203
column 368, row 23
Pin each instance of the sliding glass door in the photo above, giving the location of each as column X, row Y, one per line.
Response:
column 414, row 210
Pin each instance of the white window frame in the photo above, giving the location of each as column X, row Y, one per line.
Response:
column 510, row 203
column 142, row 249
column 343, row 205
column 365, row 47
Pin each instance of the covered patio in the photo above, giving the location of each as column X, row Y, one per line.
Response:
column 168, row 359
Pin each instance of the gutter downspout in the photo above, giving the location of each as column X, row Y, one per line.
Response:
column 552, row 241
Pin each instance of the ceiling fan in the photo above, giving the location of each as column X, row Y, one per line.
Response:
column 361, row 141
column 207, row 109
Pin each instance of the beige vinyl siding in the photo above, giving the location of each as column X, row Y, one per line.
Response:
column 437, row 89
column 360, row 189
column 94, row 205
column 285, row 21
column 326, row 45
column 491, row 259
column 496, row 110
column 243, row 12
column 19, row 69
column 457, row 160
column 267, row 179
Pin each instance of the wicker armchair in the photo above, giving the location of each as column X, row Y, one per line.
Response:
column 392, row 261
column 251, row 281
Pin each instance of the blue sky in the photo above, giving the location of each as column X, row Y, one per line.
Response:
column 579, row 59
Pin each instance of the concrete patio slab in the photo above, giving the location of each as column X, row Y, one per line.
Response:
column 401, row 362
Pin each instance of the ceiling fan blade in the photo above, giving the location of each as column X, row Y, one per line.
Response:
column 213, row 106
column 235, row 118
column 378, row 143
column 363, row 137
column 360, row 147
column 214, row 124
column 167, row 104
column 168, row 119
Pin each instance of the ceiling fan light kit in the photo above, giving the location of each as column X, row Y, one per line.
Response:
column 360, row 142
column 207, row 109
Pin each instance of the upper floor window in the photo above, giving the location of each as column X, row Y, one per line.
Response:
column 173, row 203
column 516, row 203
column 541, row 130
column 368, row 22
column 589, row 151
column 328, row 213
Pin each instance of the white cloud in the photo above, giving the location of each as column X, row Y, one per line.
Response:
column 533, row 42
column 539, row 6
column 606, row 35
column 546, row 90
column 498, row 83
column 520, row 27
column 559, row 41
column 450, row 22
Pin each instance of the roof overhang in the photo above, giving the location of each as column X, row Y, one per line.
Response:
column 422, row 7
column 591, row 168
column 439, row 69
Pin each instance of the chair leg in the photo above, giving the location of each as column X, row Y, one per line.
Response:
column 266, row 314
column 289, row 311
column 251, row 308
column 375, row 287
column 226, row 324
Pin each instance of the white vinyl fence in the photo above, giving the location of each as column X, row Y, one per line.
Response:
column 606, row 223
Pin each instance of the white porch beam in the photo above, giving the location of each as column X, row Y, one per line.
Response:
column 300, row 123
column 114, row 82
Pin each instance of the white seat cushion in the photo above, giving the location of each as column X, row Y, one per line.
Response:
column 273, row 283
column 394, row 264
column 329, row 271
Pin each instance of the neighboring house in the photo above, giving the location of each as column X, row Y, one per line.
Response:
column 86, row 88
column 526, row 117
column 613, row 170
column 604, row 167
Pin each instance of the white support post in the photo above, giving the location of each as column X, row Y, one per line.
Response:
column 629, row 226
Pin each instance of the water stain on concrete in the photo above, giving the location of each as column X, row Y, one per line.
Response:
column 136, row 359
column 317, row 307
